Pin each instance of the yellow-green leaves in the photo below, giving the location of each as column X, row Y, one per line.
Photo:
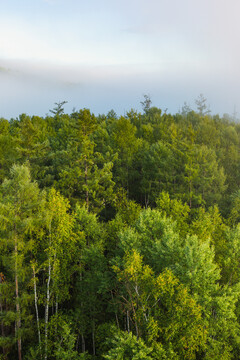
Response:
column 160, row 307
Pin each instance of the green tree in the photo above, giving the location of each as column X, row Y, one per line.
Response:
column 86, row 176
column 125, row 143
column 60, row 250
column 174, row 209
column 194, row 264
column 146, row 103
column 20, row 203
column 158, row 170
column 91, row 280
column 59, row 109
column 160, row 308
column 8, row 148
column 204, row 178
column 202, row 107
column 126, row 346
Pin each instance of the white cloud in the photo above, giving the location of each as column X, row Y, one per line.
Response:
column 20, row 41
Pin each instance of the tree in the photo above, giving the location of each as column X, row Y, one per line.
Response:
column 126, row 145
column 146, row 103
column 158, row 169
column 194, row 265
column 59, row 249
column 58, row 110
column 203, row 177
column 186, row 109
column 174, row 209
column 62, row 339
column 85, row 176
column 160, row 308
column 8, row 148
column 126, row 346
column 20, row 202
column 234, row 216
column 202, row 107
column 91, row 285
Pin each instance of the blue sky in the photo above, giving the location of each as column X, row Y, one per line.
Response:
column 106, row 54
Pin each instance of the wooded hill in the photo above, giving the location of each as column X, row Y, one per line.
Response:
column 120, row 236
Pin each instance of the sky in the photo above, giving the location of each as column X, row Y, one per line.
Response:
column 107, row 54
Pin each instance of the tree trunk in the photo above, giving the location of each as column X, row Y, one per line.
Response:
column 93, row 339
column 36, row 309
column 115, row 312
column 48, row 295
column 18, row 321
column 86, row 182
column 2, row 324
column 83, row 344
column 128, row 325
column 47, row 308
column 56, row 305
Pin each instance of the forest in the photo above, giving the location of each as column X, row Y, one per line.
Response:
column 120, row 235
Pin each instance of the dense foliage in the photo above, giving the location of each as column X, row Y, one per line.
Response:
column 120, row 236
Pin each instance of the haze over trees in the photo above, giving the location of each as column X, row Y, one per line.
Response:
column 120, row 236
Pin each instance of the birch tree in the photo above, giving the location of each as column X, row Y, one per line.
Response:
column 59, row 251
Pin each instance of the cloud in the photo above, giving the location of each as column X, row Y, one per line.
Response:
column 173, row 49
